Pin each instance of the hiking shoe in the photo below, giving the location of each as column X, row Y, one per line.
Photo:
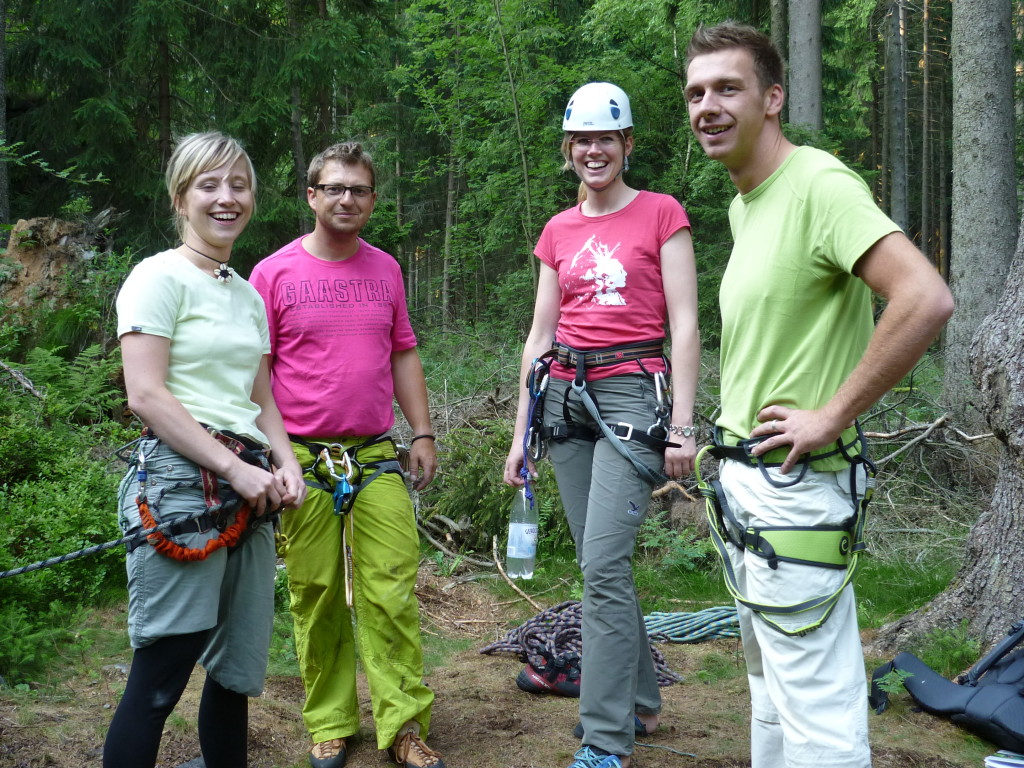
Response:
column 592, row 757
column 328, row 754
column 410, row 751
column 639, row 729
column 562, row 684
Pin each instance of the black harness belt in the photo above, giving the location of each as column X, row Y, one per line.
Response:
column 624, row 353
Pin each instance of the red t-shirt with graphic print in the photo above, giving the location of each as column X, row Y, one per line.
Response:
column 609, row 272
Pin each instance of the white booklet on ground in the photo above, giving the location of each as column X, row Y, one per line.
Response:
column 1004, row 758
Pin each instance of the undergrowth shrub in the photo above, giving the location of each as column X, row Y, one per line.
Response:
column 43, row 518
column 471, row 487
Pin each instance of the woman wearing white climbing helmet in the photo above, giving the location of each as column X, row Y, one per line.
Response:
column 614, row 270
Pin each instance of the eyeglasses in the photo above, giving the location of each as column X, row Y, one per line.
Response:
column 338, row 190
column 602, row 142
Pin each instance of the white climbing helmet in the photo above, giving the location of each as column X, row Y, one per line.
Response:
column 598, row 107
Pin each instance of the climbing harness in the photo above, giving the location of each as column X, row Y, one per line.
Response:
column 337, row 470
column 218, row 511
column 199, row 521
column 823, row 546
column 654, row 436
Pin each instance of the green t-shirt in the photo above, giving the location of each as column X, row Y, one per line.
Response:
column 218, row 334
column 795, row 320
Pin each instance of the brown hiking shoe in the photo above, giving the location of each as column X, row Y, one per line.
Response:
column 328, row 754
column 410, row 751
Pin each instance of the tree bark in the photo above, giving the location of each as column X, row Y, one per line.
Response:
column 805, row 63
column 989, row 589
column 5, row 183
column 926, row 213
column 164, row 97
column 780, row 37
column 449, row 231
column 896, row 69
column 984, row 189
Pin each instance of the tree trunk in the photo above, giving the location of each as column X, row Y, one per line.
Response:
column 5, row 183
column 780, row 37
column 926, row 213
column 805, row 63
column 896, row 41
column 528, row 232
column 989, row 590
column 984, row 190
column 449, row 227
column 164, row 98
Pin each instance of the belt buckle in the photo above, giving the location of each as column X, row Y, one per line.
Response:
column 629, row 430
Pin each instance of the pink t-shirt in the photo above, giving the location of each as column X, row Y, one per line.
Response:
column 609, row 271
column 333, row 327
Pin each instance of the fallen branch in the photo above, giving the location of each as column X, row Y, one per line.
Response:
column 23, row 380
column 672, row 485
column 920, row 438
column 517, row 590
column 442, row 548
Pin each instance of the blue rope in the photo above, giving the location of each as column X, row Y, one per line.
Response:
column 709, row 624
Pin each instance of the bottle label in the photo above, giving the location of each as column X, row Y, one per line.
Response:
column 522, row 540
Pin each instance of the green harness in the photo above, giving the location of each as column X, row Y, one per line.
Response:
column 824, row 546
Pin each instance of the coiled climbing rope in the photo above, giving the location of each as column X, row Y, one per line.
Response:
column 709, row 624
column 558, row 632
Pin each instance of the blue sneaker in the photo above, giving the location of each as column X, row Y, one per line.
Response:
column 592, row 757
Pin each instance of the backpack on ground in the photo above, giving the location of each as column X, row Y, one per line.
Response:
column 988, row 700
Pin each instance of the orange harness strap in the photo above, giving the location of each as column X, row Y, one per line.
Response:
column 227, row 538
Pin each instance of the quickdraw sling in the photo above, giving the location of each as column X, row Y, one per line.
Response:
column 823, row 546
column 217, row 510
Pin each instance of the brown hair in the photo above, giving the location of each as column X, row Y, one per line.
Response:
column 731, row 34
column 346, row 153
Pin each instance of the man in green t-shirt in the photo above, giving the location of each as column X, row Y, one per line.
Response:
column 801, row 359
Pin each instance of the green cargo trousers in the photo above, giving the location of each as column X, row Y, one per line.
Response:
column 605, row 502
column 386, row 635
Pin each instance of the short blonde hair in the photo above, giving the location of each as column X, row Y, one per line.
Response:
column 198, row 153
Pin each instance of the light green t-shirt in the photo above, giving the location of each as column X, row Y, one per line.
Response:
column 795, row 321
column 218, row 334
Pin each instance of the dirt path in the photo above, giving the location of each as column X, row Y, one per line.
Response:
column 481, row 720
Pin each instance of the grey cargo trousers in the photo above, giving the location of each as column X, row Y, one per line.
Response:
column 605, row 502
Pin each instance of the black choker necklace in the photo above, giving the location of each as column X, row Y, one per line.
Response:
column 222, row 272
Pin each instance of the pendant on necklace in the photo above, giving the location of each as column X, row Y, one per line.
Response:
column 223, row 273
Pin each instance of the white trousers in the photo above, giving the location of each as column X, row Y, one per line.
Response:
column 808, row 694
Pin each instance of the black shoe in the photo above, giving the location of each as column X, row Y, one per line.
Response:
column 328, row 754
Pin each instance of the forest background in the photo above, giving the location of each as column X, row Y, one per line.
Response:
column 460, row 102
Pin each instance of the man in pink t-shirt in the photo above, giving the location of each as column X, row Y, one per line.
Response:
column 342, row 350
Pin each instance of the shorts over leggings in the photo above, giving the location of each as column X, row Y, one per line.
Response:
column 808, row 694
column 230, row 593
column 385, row 551
column 605, row 503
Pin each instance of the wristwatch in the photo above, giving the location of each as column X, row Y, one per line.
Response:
column 682, row 431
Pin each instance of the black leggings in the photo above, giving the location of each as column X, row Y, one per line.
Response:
column 158, row 677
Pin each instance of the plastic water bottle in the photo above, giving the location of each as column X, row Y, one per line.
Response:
column 522, row 538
